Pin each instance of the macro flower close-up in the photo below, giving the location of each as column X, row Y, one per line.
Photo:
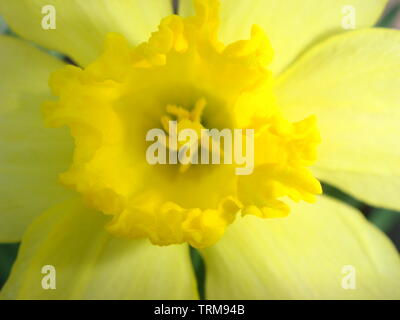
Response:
column 200, row 149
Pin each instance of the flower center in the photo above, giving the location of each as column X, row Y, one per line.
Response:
column 112, row 104
column 185, row 120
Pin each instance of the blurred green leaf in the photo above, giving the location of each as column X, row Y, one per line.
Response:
column 384, row 219
column 338, row 194
column 3, row 25
column 8, row 254
column 200, row 271
column 55, row 54
column 387, row 20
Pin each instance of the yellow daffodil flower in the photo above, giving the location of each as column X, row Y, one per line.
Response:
column 324, row 105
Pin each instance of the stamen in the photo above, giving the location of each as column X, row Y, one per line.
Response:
column 198, row 110
column 186, row 120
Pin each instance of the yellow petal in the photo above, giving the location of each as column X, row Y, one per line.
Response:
column 81, row 25
column 312, row 254
column 31, row 156
column 351, row 83
column 91, row 264
column 291, row 25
